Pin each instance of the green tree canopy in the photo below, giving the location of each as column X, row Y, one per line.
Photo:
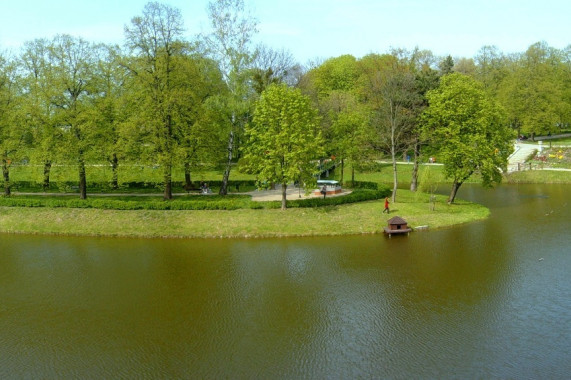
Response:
column 155, row 38
column 533, row 91
column 469, row 130
column 283, row 139
column 12, row 130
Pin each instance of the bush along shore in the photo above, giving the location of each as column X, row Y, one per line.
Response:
column 210, row 202
column 358, row 213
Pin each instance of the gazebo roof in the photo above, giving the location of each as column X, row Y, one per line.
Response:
column 397, row 220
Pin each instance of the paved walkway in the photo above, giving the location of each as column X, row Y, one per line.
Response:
column 521, row 152
column 292, row 193
column 518, row 157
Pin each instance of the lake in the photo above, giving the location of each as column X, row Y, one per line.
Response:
column 489, row 299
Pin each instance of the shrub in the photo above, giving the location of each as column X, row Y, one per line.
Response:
column 126, row 187
column 362, row 185
column 214, row 202
column 354, row 197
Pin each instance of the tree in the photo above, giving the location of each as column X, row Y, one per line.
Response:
column 426, row 79
column 491, row 68
column 155, row 40
column 110, row 110
column 446, row 65
column 333, row 88
column 283, row 139
column 348, row 132
column 229, row 45
column 72, row 71
column 391, row 90
column 39, row 89
column 12, row 133
column 429, row 182
column 420, row 63
column 469, row 130
column 533, row 93
column 271, row 66
column 199, row 115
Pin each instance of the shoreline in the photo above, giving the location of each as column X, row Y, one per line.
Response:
column 351, row 219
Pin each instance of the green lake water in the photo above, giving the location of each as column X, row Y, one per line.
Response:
column 489, row 299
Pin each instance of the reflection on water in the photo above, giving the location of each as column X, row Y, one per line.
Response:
column 488, row 299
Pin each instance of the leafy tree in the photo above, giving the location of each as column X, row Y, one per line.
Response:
column 565, row 74
column 420, row 63
column 491, row 68
column 333, row 89
column 446, row 66
column 348, row 131
column 465, row 66
column 468, row 128
column 283, row 139
column 110, row 109
column 426, row 79
column 12, row 133
column 37, row 70
column 198, row 116
column 533, row 93
column 155, row 40
column 229, row 45
column 393, row 99
column 73, row 72
column 335, row 74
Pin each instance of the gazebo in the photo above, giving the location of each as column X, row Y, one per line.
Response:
column 397, row 225
column 331, row 187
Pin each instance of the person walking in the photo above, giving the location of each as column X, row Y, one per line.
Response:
column 386, row 206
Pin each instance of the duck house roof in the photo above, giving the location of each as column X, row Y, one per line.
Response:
column 397, row 220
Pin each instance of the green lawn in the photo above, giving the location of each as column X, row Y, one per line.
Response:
column 539, row 176
column 383, row 173
column 127, row 173
column 359, row 218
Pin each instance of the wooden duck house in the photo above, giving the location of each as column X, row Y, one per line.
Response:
column 397, row 225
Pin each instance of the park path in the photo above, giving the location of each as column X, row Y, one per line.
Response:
column 522, row 151
column 518, row 157
column 292, row 193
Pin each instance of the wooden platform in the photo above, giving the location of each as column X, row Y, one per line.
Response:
column 397, row 232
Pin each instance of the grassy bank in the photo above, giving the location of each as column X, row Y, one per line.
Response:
column 359, row 218
column 539, row 176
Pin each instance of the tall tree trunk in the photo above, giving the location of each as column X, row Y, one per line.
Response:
column 167, row 182
column 6, row 175
column 395, row 179
column 342, row 170
column 82, row 179
column 187, row 178
column 455, row 186
column 115, row 174
column 284, row 196
column 47, row 169
column 414, row 177
column 226, row 176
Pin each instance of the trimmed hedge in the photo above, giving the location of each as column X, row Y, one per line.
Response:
column 200, row 203
column 361, row 185
column 355, row 197
column 125, row 187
